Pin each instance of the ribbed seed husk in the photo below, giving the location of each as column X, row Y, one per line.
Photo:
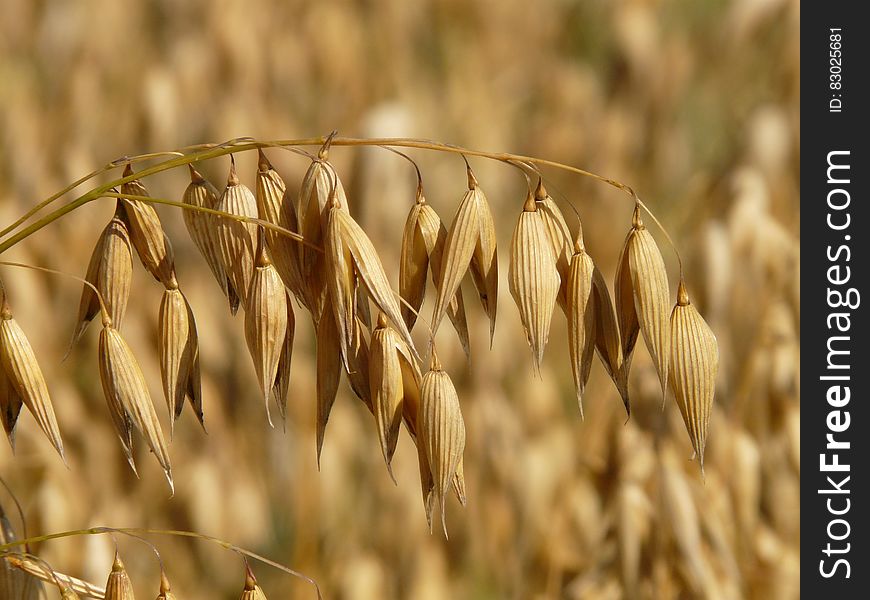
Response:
column 457, row 254
column 252, row 590
column 649, row 289
column 271, row 193
column 25, row 377
column 442, row 429
column 433, row 236
column 367, row 265
column 560, row 238
column 15, row 584
column 484, row 261
column 626, row 314
column 178, row 352
column 358, row 375
column 533, row 278
column 146, row 233
column 110, row 270
column 203, row 228
column 266, row 323
column 607, row 341
column 118, row 585
column 694, row 365
column 581, row 308
column 282, row 381
column 341, row 283
column 10, row 407
column 413, row 266
column 387, row 391
column 328, row 374
column 124, row 387
column 237, row 240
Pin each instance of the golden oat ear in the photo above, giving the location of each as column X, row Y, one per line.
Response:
column 266, row 321
column 484, row 260
column 694, row 366
column 607, row 342
column 560, row 238
column 175, row 351
column 340, row 282
column 128, row 398
column 203, row 227
column 237, row 241
column 387, row 392
column 581, row 313
column 118, row 585
column 281, row 389
column 442, row 430
column 24, row 378
column 146, row 232
column 533, row 277
column 328, row 374
column 413, row 265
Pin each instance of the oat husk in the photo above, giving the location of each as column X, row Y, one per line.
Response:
column 442, row 430
column 282, row 381
column 643, row 298
column 328, row 374
column 15, row 583
column 694, row 365
column 25, row 378
column 252, row 590
column 203, row 229
column 341, row 283
column 607, row 340
column 484, row 261
column 423, row 242
column 178, row 353
column 533, row 277
column 118, row 585
column 581, row 313
column 165, row 592
column 146, row 233
column 560, row 238
column 128, row 398
column 266, row 322
column 10, row 407
column 237, row 240
column 110, row 270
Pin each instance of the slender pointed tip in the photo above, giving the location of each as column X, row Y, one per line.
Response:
column 171, row 483
column 128, row 169
column 636, row 221
column 682, row 294
column 250, row 580
column 232, row 178
column 165, row 588
column 444, row 518
column 195, row 176
column 262, row 161
column 529, row 205
column 472, row 180
column 540, row 190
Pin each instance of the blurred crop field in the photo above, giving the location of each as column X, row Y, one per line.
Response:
column 694, row 104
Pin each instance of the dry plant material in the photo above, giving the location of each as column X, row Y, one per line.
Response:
column 367, row 266
column 392, row 377
column 470, row 244
column 252, row 590
column 442, row 430
column 10, row 407
column 266, row 322
column 282, row 382
column 328, row 374
column 128, row 398
column 358, row 375
column 534, row 278
column 423, row 249
column 694, row 365
column 203, row 228
column 118, row 585
column 643, row 299
column 559, row 235
column 147, row 233
column 15, row 583
column 341, row 283
column 110, row 270
column 178, row 353
column 607, row 341
column 24, row 379
column 70, row 587
column 165, row 589
column 582, row 317
column 236, row 239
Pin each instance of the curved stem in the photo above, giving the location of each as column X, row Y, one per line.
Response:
column 137, row 531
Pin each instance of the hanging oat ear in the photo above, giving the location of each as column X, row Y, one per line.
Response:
column 127, row 393
column 24, row 377
column 559, row 235
column 282, row 383
column 442, row 429
column 358, row 375
column 328, row 374
column 534, row 279
column 237, row 240
column 266, row 321
column 694, row 365
column 110, row 270
column 178, row 352
column 607, row 341
column 385, row 380
column 484, row 261
column 146, row 233
column 642, row 289
column 581, row 312
column 203, row 229
column 271, row 194
column 340, row 282
column 118, row 585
